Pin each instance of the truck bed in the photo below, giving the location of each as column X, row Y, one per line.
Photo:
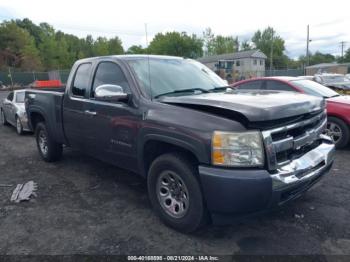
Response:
column 49, row 105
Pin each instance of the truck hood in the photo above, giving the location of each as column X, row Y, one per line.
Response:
column 254, row 105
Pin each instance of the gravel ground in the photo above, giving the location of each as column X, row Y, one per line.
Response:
column 85, row 206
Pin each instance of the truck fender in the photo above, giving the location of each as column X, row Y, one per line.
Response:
column 199, row 152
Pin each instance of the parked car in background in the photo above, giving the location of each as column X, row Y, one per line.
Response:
column 12, row 111
column 338, row 106
column 337, row 82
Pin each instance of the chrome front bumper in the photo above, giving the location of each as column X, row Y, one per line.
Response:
column 307, row 167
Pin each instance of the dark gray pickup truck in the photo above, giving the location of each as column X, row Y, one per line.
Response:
column 209, row 153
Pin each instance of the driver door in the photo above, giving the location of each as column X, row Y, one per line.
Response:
column 111, row 135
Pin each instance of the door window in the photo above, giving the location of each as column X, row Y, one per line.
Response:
column 81, row 80
column 109, row 73
column 279, row 86
column 252, row 85
column 10, row 96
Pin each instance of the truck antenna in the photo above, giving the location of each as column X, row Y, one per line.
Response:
column 149, row 66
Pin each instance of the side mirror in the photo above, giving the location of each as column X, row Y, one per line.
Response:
column 110, row 93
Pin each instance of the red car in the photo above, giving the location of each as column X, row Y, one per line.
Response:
column 338, row 106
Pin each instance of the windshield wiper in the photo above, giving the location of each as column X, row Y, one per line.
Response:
column 192, row 90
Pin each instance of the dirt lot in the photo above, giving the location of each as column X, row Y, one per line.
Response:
column 88, row 207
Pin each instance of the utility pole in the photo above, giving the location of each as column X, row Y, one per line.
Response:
column 342, row 50
column 271, row 53
column 307, row 47
column 146, row 34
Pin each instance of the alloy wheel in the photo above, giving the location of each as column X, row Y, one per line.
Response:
column 334, row 131
column 18, row 126
column 42, row 141
column 172, row 194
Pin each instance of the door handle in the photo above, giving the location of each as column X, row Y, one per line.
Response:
column 91, row 113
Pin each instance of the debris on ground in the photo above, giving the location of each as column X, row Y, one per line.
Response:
column 312, row 208
column 5, row 185
column 24, row 192
column 299, row 216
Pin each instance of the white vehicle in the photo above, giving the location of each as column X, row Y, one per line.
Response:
column 12, row 111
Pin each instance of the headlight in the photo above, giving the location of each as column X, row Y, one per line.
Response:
column 243, row 149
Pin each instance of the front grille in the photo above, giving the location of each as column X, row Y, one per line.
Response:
column 290, row 142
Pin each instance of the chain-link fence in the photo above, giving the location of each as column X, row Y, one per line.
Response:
column 285, row 72
column 15, row 78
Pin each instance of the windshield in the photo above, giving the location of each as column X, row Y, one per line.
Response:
column 170, row 76
column 20, row 97
column 315, row 89
column 335, row 79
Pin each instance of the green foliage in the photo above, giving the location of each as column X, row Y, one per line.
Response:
column 27, row 46
column 245, row 46
column 17, row 48
column 268, row 39
column 216, row 45
column 347, row 56
column 136, row 49
column 177, row 44
column 317, row 58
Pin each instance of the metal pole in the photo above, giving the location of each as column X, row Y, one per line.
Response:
column 271, row 53
column 10, row 75
column 307, row 47
column 342, row 50
column 146, row 35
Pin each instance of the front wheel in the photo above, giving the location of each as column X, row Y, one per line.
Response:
column 19, row 127
column 338, row 130
column 49, row 150
column 175, row 193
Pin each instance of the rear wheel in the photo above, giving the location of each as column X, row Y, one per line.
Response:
column 3, row 118
column 49, row 150
column 175, row 193
column 338, row 131
column 19, row 127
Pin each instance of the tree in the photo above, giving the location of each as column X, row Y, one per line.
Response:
column 17, row 47
column 317, row 58
column 177, row 44
column 216, row 45
column 265, row 40
column 346, row 58
column 245, row 46
column 115, row 46
column 136, row 49
column 225, row 44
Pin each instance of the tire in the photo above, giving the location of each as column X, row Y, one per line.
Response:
column 339, row 131
column 19, row 127
column 3, row 118
column 191, row 212
column 49, row 150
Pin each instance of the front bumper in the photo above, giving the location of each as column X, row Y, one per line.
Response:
column 240, row 192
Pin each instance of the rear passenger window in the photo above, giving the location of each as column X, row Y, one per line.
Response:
column 256, row 85
column 10, row 96
column 279, row 86
column 109, row 73
column 81, row 80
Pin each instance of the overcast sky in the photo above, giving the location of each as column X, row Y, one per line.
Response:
column 329, row 20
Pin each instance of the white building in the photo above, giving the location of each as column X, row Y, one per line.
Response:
column 237, row 66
